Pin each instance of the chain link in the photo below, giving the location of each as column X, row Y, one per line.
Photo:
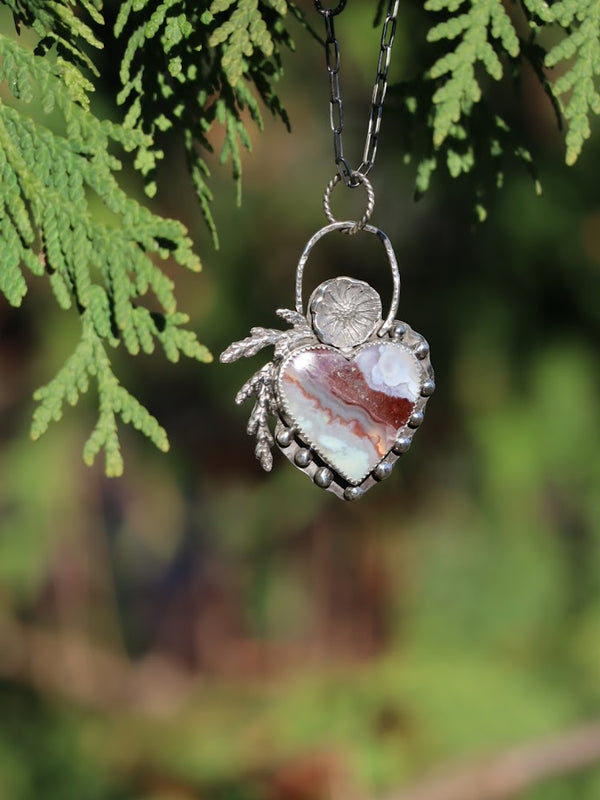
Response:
column 336, row 107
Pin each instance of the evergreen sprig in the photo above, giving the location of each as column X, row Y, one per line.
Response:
column 104, row 264
column 580, row 49
column 67, row 28
column 480, row 32
column 189, row 67
column 91, row 360
column 449, row 118
column 185, row 69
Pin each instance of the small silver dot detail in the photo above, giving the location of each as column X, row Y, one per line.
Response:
column 398, row 330
column 353, row 493
column 303, row 458
column 428, row 388
column 401, row 445
column 323, row 477
column 416, row 418
column 285, row 437
column 383, row 470
column 422, row 350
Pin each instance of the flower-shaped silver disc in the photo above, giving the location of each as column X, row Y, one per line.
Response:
column 344, row 312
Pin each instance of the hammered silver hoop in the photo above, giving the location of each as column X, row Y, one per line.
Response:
column 345, row 228
column 360, row 179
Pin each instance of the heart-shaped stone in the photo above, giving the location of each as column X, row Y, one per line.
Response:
column 350, row 409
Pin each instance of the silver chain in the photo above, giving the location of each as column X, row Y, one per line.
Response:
column 336, row 108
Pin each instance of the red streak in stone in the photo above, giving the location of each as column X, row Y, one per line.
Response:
column 320, row 373
column 349, row 423
column 354, row 424
column 346, row 381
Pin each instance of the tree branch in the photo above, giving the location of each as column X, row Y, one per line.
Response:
column 507, row 774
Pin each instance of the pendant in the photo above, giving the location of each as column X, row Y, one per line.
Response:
column 347, row 388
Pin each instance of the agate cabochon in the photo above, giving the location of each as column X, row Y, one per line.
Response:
column 350, row 410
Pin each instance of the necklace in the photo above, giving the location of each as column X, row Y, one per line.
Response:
column 347, row 387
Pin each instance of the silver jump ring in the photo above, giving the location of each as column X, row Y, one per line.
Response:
column 360, row 179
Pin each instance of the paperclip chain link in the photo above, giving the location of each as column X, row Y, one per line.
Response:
column 336, row 107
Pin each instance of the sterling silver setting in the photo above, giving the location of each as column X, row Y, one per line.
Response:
column 291, row 428
column 343, row 319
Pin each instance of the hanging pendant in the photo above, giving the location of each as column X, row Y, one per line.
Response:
column 348, row 388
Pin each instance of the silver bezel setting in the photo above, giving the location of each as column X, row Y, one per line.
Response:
column 302, row 436
column 304, row 334
column 340, row 484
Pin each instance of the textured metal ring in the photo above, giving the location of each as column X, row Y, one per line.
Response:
column 360, row 179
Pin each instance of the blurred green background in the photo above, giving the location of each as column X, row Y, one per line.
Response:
column 198, row 629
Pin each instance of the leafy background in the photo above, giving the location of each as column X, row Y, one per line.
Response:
column 197, row 629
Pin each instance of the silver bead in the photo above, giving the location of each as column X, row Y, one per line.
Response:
column 401, row 445
column 353, row 493
column 397, row 330
column 323, row 477
column 428, row 388
column 303, row 457
column 422, row 350
column 383, row 470
column 416, row 418
column 285, row 437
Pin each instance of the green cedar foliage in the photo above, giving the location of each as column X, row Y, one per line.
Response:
column 184, row 68
column 190, row 65
column 449, row 116
column 101, row 257
column 57, row 25
column 580, row 49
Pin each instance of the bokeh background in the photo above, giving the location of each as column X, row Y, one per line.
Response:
column 200, row 630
